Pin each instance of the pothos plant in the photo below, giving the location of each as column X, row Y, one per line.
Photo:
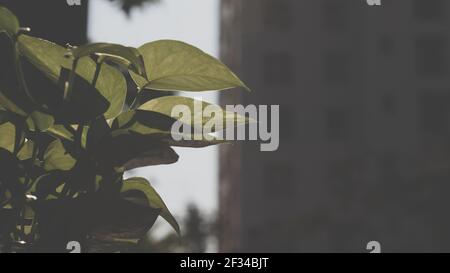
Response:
column 71, row 126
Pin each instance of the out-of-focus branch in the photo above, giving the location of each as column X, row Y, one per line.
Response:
column 128, row 5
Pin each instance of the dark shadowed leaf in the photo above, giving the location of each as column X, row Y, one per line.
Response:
column 158, row 156
column 98, row 129
column 154, row 200
column 128, row 56
column 50, row 59
column 105, row 220
column 12, row 96
column 126, row 150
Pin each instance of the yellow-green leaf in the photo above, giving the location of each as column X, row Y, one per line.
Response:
column 7, row 136
column 8, row 22
column 10, row 106
column 165, row 106
column 26, row 152
column 40, row 121
column 177, row 66
column 57, row 158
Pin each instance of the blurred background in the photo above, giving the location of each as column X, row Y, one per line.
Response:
column 364, row 93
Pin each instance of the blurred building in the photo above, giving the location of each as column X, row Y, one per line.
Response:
column 364, row 154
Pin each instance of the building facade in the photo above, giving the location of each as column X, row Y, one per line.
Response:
column 364, row 95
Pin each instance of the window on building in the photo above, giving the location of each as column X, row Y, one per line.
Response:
column 278, row 68
column 335, row 15
column 431, row 55
column 336, row 67
column 338, row 123
column 429, row 10
column 278, row 15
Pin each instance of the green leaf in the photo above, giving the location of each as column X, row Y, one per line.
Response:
column 154, row 119
column 50, row 59
column 26, row 152
column 149, row 126
column 40, row 121
column 154, row 200
column 8, row 22
column 57, row 158
column 165, row 105
column 10, row 106
column 61, row 132
column 144, row 122
column 177, row 66
column 128, row 56
column 7, row 136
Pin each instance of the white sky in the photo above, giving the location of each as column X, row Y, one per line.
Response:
column 194, row 177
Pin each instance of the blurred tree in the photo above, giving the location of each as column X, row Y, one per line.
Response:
column 196, row 234
column 198, row 230
column 127, row 5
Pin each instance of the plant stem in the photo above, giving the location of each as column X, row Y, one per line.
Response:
column 69, row 85
column 98, row 68
column 33, row 159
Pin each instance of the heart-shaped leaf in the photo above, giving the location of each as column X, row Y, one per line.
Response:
column 198, row 117
column 160, row 156
column 57, row 158
column 177, row 66
column 154, row 200
column 40, row 121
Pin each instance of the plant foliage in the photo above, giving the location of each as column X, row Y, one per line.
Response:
column 68, row 135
